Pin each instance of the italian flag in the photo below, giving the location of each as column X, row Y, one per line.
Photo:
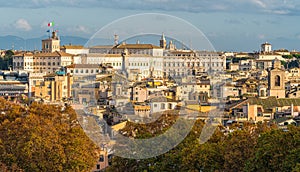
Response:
column 50, row 24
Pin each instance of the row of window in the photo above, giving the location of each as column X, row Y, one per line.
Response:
column 36, row 63
column 201, row 86
column 294, row 71
column 85, row 71
column 37, row 58
column 178, row 64
column 47, row 46
column 40, row 68
column 138, row 64
column 131, row 52
column 202, row 57
column 163, row 105
column 184, row 55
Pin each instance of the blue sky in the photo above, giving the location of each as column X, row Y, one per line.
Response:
column 231, row 25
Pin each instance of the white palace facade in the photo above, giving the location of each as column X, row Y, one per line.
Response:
column 159, row 61
column 145, row 59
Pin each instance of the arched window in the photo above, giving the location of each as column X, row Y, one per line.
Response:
column 262, row 93
column 277, row 80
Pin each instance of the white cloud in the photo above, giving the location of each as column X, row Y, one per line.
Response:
column 281, row 7
column 79, row 29
column 22, row 24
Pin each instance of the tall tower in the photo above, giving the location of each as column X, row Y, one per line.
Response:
column 163, row 42
column 276, row 77
column 52, row 44
column 266, row 47
column 125, row 62
column 171, row 45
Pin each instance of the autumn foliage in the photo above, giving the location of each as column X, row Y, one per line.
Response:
column 252, row 147
column 43, row 138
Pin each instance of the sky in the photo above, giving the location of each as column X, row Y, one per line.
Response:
column 230, row 25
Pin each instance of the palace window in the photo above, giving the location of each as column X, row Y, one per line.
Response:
column 277, row 80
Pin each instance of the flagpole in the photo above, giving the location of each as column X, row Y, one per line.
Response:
column 50, row 24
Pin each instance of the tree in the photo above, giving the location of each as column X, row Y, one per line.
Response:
column 294, row 63
column 296, row 56
column 276, row 150
column 239, row 147
column 287, row 56
column 222, row 152
column 43, row 138
column 6, row 61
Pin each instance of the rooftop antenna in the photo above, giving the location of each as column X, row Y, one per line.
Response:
column 116, row 39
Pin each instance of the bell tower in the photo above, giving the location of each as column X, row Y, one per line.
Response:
column 266, row 47
column 276, row 77
column 52, row 44
column 163, row 42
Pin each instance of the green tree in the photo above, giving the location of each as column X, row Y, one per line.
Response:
column 287, row 56
column 6, row 61
column 296, row 55
column 276, row 150
column 222, row 152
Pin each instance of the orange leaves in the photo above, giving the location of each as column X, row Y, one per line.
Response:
column 41, row 138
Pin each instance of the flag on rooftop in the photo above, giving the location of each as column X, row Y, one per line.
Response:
column 50, row 24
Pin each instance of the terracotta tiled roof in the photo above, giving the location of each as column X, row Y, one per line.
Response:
column 24, row 54
column 181, row 52
column 161, row 99
column 61, row 53
column 102, row 46
column 269, row 53
column 136, row 46
column 83, row 66
column 103, row 55
column 117, row 55
column 242, row 53
column 72, row 47
column 295, row 52
column 53, row 54
column 50, row 75
column 282, row 50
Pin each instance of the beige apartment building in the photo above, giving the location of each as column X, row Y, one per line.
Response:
column 54, row 87
column 49, row 60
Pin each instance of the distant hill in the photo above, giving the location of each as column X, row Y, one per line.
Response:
column 18, row 43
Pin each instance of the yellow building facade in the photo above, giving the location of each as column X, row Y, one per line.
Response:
column 54, row 87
